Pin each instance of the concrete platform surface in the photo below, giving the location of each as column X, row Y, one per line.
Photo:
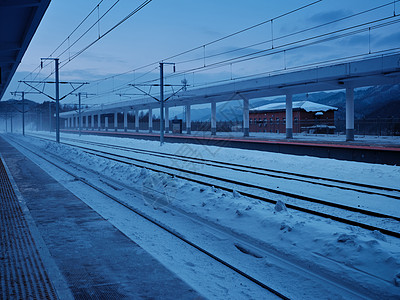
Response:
column 84, row 255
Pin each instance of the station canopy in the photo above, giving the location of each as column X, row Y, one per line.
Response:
column 19, row 20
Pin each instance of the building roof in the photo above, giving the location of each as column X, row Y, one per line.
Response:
column 19, row 20
column 308, row 106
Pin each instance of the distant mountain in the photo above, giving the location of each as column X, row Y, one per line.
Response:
column 379, row 101
column 373, row 102
column 387, row 110
column 16, row 105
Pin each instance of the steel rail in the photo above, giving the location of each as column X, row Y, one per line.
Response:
column 160, row 225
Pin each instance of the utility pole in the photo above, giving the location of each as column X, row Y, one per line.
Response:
column 50, row 116
column 57, row 75
column 162, row 103
column 57, row 101
column 80, row 116
column 23, row 108
column 80, row 110
column 23, row 113
column 162, row 100
column 57, row 98
column 7, row 119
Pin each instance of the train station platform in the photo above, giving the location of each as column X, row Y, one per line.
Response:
column 369, row 150
column 54, row 246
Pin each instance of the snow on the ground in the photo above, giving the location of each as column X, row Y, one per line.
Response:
column 352, row 171
column 356, row 258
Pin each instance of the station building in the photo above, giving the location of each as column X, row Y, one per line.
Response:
column 308, row 117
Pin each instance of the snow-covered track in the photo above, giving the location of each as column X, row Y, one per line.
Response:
column 389, row 192
column 158, row 224
column 318, row 208
column 221, row 184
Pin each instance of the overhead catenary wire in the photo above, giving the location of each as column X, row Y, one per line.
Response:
column 254, row 55
column 215, row 41
column 280, row 49
column 82, row 35
column 90, row 28
column 137, row 9
column 65, row 40
column 249, row 28
column 288, row 35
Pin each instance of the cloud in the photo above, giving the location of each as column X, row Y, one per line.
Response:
column 391, row 40
column 324, row 17
column 238, row 51
column 355, row 40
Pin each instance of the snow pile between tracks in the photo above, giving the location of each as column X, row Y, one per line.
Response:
column 346, row 254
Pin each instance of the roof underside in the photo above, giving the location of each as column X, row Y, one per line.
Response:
column 19, row 20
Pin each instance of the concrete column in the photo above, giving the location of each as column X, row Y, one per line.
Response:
column 69, row 122
column 92, row 122
column 137, row 120
column 115, row 121
column 99, row 121
column 150, row 120
column 289, row 116
column 188, row 121
column 166, row 116
column 349, row 114
column 66, row 123
column 106, row 123
column 213, row 118
column 246, row 112
column 125, row 121
column 87, row 122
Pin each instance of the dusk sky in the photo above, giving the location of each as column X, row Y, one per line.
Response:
column 165, row 28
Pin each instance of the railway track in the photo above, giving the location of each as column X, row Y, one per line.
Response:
column 161, row 225
column 317, row 180
column 297, row 202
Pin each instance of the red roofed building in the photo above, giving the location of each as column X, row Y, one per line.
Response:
column 308, row 117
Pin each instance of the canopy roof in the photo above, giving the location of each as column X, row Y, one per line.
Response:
column 19, row 20
column 308, row 106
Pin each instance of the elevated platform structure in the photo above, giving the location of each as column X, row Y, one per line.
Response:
column 381, row 70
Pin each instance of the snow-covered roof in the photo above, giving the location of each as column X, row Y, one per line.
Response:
column 306, row 105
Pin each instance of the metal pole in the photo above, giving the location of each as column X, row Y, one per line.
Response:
column 349, row 114
column 23, row 113
column 50, row 116
column 80, row 117
column 57, row 102
column 162, row 103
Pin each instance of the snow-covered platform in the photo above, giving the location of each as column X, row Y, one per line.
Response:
column 55, row 246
